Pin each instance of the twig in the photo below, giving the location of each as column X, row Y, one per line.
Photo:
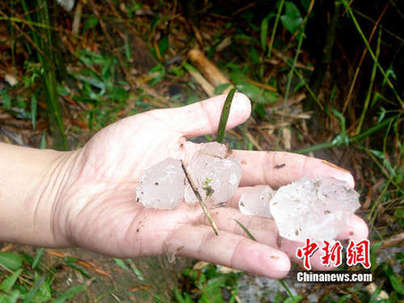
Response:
column 393, row 240
column 201, row 202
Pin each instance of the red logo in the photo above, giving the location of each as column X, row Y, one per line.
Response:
column 357, row 253
column 307, row 252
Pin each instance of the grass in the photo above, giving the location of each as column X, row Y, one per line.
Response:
column 268, row 58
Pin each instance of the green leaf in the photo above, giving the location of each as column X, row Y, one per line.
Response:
column 225, row 116
column 12, row 297
column 40, row 291
column 12, row 261
column 292, row 18
column 42, row 145
column 264, row 30
column 397, row 283
column 33, row 110
column 121, row 263
column 136, row 271
column 37, row 258
column 6, row 99
column 91, row 22
column 163, row 45
column 70, row 293
column 294, row 299
column 221, row 88
column 249, row 234
column 9, row 282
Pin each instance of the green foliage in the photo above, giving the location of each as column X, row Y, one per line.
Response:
column 11, row 260
column 208, row 285
column 99, row 88
column 25, row 279
column 225, row 116
column 292, row 19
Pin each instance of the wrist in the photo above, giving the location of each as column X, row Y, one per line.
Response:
column 32, row 182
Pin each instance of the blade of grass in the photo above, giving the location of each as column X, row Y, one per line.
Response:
column 300, row 35
column 49, row 77
column 225, row 116
column 136, row 270
column 249, row 234
column 33, row 291
column 278, row 16
column 359, row 29
column 37, row 258
column 353, row 139
column 369, row 92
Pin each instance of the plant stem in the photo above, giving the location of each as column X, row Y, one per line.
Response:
column 201, row 202
column 353, row 139
column 372, row 80
column 358, row 28
column 278, row 15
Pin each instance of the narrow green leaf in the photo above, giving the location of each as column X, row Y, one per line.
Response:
column 225, row 116
column 37, row 258
column 70, row 293
column 90, row 23
column 136, row 271
column 33, row 110
column 397, row 284
column 6, row 99
column 294, row 299
column 34, row 290
column 249, row 234
column 221, row 88
column 286, row 287
column 264, row 32
column 9, row 282
column 121, row 263
column 12, row 261
column 42, row 145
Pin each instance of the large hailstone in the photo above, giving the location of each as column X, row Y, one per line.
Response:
column 162, row 185
column 255, row 201
column 214, row 176
column 316, row 209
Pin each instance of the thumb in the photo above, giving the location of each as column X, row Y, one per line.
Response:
column 203, row 117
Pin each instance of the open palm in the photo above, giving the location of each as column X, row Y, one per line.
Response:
column 98, row 209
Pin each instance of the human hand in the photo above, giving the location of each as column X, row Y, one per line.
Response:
column 95, row 207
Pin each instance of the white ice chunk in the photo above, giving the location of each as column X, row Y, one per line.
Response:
column 213, row 149
column 255, row 201
column 162, row 185
column 214, row 175
column 316, row 209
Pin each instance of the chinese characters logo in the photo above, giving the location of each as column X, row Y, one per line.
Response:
column 356, row 253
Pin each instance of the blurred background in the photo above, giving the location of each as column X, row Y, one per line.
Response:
column 325, row 79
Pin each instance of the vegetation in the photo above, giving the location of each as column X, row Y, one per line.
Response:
column 325, row 79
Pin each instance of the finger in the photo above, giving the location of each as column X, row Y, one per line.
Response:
column 290, row 248
column 356, row 229
column 233, row 202
column 203, row 117
column 228, row 249
column 262, row 229
column 280, row 168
